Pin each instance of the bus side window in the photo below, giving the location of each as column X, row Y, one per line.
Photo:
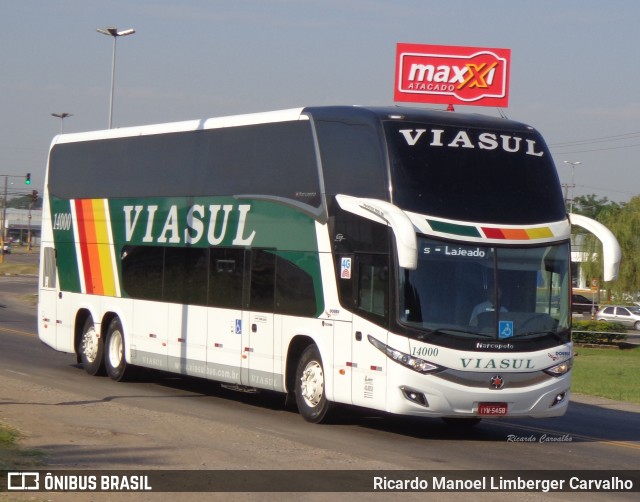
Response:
column 373, row 284
column 263, row 276
column 142, row 272
column 226, row 276
column 185, row 275
column 295, row 287
column 49, row 268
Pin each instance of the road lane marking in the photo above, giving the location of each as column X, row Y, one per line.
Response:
column 17, row 373
column 17, row 332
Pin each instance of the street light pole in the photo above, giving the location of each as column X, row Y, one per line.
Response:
column 61, row 116
column 113, row 32
column 573, row 182
column 4, row 219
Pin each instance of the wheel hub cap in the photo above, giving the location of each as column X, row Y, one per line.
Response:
column 312, row 384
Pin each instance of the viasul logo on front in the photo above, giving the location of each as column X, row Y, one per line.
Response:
column 452, row 75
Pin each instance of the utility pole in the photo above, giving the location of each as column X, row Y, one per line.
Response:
column 4, row 219
column 34, row 198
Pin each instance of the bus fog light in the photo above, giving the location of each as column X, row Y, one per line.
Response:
column 558, row 399
column 415, row 396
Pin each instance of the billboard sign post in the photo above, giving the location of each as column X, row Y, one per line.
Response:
column 451, row 75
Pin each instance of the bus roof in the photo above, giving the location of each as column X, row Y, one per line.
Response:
column 360, row 114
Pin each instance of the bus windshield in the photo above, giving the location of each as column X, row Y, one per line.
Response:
column 487, row 292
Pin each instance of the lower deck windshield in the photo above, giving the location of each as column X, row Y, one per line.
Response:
column 485, row 292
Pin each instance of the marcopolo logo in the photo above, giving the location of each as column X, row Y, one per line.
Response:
column 452, row 75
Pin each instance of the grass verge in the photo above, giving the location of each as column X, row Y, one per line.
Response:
column 609, row 373
column 18, row 269
column 12, row 456
column 9, row 266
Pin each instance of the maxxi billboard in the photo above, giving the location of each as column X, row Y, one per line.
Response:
column 447, row 74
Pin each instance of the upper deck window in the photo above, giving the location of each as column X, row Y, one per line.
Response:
column 473, row 174
column 274, row 160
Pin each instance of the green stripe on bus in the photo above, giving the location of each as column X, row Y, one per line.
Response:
column 453, row 228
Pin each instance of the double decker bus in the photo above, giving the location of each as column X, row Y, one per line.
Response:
column 404, row 260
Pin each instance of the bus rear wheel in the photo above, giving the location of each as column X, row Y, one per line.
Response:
column 114, row 359
column 311, row 398
column 91, row 349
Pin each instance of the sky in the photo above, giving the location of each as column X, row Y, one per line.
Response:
column 575, row 73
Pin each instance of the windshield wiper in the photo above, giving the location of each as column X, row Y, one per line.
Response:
column 530, row 334
column 446, row 331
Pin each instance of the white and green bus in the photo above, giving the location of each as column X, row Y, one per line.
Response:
column 411, row 261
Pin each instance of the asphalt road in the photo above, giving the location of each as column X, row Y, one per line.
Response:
column 185, row 423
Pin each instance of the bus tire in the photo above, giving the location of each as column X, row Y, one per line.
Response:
column 91, row 349
column 114, row 359
column 311, row 397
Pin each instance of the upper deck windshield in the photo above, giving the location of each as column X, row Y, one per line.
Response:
column 483, row 292
column 477, row 174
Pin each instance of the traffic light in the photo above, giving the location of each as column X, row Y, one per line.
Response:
column 34, row 195
column 27, row 179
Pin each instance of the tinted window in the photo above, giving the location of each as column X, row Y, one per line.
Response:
column 352, row 160
column 185, row 275
column 473, row 174
column 351, row 233
column 226, row 277
column 263, row 268
column 287, row 283
column 295, row 287
column 373, row 284
column 270, row 159
column 142, row 271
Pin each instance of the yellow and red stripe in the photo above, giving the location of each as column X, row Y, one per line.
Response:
column 96, row 248
column 491, row 232
column 517, row 234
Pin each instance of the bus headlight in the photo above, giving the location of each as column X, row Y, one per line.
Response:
column 560, row 369
column 414, row 363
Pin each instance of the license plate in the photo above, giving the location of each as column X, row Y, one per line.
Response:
column 494, row 409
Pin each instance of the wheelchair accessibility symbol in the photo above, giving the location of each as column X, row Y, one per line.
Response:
column 505, row 329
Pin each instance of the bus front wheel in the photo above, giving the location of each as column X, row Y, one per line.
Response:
column 91, row 349
column 310, row 387
column 114, row 359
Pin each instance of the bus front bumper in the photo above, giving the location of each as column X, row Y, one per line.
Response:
column 479, row 395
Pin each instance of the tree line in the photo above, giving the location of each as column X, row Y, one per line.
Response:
column 623, row 219
column 24, row 201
